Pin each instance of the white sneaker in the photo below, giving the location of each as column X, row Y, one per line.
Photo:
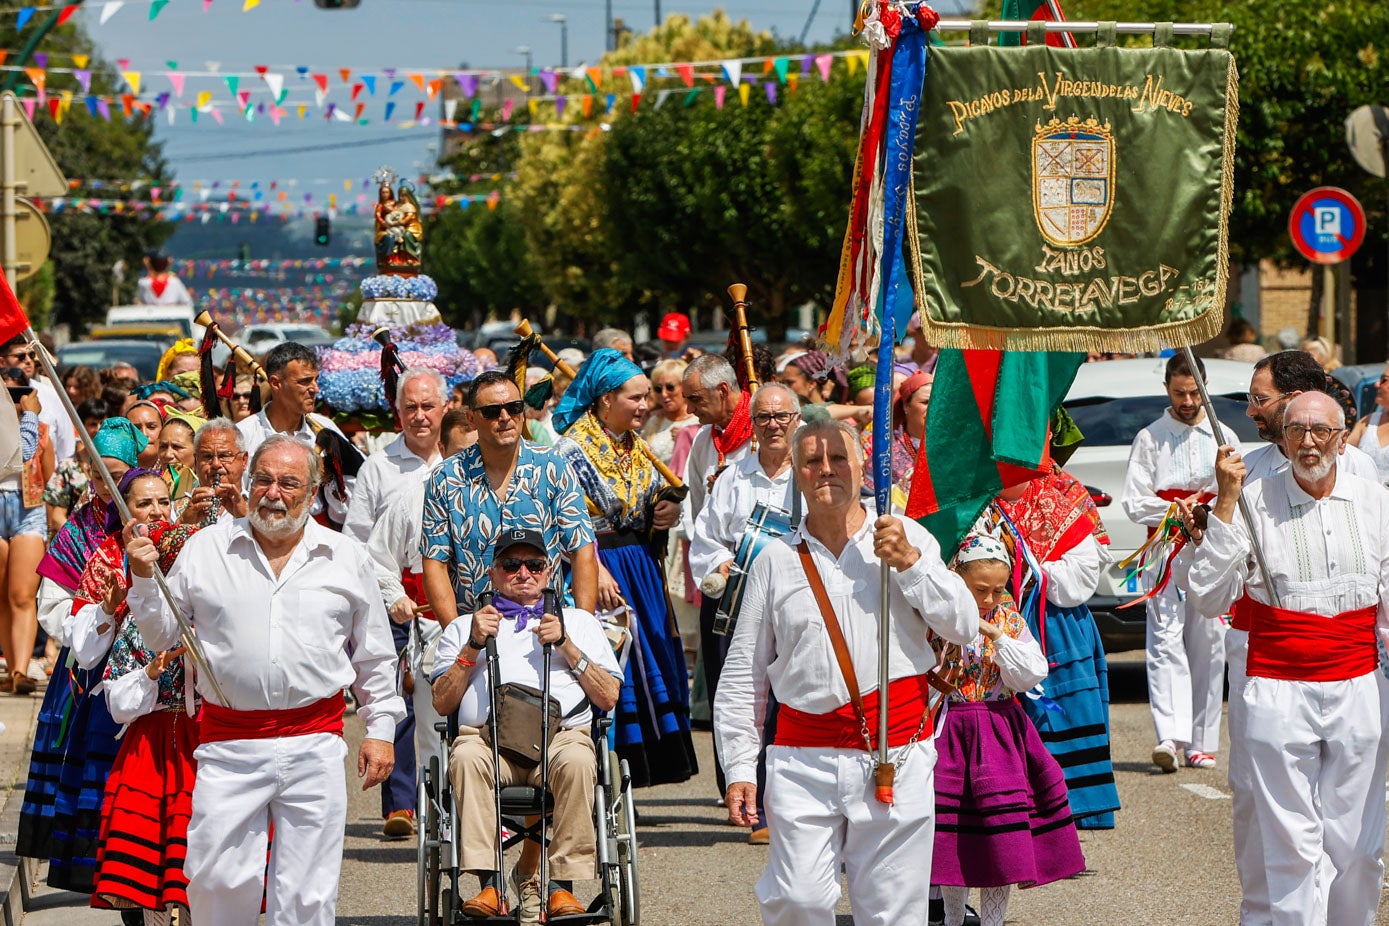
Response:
column 528, row 894
column 1165, row 756
column 1197, row 759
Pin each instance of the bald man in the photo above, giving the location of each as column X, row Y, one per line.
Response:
column 1314, row 700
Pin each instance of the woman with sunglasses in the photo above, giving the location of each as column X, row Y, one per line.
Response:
column 599, row 417
column 23, row 533
column 1371, row 433
column 670, row 415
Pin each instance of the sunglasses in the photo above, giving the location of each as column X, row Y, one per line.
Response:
column 241, row 396
column 23, row 355
column 512, row 565
column 493, row 412
column 665, row 387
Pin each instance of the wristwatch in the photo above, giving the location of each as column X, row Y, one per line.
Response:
column 581, row 666
column 476, row 646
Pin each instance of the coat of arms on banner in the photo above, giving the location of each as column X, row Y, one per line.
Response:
column 1072, row 176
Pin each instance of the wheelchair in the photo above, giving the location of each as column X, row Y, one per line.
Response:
column 440, row 895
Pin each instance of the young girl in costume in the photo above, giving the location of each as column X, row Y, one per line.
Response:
column 1002, row 815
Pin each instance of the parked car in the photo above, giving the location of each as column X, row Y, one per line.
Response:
column 1111, row 402
column 143, row 355
column 156, row 333
column 177, row 315
column 260, row 338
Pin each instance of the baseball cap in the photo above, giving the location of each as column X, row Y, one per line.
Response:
column 674, row 327
column 519, row 536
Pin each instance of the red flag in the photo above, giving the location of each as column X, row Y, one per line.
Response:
column 1043, row 13
column 13, row 321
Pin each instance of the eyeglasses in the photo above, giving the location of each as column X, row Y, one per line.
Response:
column 493, row 412
column 1259, row 401
column 782, row 418
column 225, row 456
column 286, row 483
column 1321, row 433
column 512, row 565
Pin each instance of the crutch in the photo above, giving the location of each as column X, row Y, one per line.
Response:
column 493, row 672
column 552, row 606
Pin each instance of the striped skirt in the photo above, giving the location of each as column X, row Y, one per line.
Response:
column 1073, row 719
column 1001, row 811
column 144, row 823
column 653, row 709
column 60, row 819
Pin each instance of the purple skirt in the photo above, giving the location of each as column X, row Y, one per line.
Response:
column 1002, row 816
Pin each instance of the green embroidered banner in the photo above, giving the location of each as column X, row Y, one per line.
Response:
column 1073, row 199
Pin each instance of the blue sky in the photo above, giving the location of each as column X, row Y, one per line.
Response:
column 406, row 34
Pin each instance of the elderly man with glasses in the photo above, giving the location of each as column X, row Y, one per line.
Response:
column 584, row 675
column 500, row 483
column 764, row 477
column 1311, row 696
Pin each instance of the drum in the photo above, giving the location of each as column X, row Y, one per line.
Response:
column 765, row 525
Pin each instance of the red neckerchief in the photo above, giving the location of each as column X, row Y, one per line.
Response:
column 737, row 433
column 158, row 284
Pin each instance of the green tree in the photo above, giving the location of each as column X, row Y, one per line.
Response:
column 478, row 257
column 86, row 246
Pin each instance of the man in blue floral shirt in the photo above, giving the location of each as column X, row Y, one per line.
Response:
column 500, row 483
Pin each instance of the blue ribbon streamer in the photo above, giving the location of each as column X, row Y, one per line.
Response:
column 908, row 63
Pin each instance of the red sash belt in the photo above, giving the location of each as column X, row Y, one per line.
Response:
column 839, row 729
column 219, row 724
column 1301, row 647
column 413, row 583
column 1172, row 495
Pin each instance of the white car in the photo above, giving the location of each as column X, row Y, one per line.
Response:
column 1111, row 401
column 258, row 339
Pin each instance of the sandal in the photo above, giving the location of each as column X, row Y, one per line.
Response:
column 7, row 684
column 24, row 685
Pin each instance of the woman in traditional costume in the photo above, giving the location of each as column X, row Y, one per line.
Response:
column 1002, row 817
column 149, row 795
column 1057, row 522
column 909, row 406
column 74, row 724
column 598, row 418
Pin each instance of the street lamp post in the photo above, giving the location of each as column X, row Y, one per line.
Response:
column 563, row 21
column 608, row 44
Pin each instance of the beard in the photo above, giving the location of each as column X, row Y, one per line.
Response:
column 278, row 527
column 1314, row 472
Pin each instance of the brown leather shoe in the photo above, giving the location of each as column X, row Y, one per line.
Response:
column 487, row 903
column 563, row 903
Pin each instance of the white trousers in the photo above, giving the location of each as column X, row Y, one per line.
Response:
column 1186, row 671
column 1316, row 760
column 299, row 783
column 1249, row 851
column 428, row 741
column 821, row 812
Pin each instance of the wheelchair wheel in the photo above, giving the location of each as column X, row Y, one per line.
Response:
column 629, row 895
column 423, row 814
column 430, row 877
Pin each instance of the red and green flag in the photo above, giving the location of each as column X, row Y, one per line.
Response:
column 986, row 429
column 13, row 321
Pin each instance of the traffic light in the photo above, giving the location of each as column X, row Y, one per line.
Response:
column 336, row 4
column 243, row 252
column 322, row 230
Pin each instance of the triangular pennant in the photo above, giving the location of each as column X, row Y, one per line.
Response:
column 559, row 107
column 823, row 62
column 217, row 114
column 156, row 6
column 132, row 78
column 434, row 87
column 533, row 105
column 595, row 78
column 233, row 82
column 852, row 62
column 361, row 108
column 550, row 80
column 175, row 81
column 369, row 81
column 418, row 80
column 55, row 109
column 475, row 110
column 204, row 97
column 770, row 87
column 690, row 98
column 638, row 77
column 357, row 89
column 390, row 110
column 744, row 91
column 123, row 64
column 733, row 70
column 26, row 14
column 468, row 84
column 249, row 5
column 419, row 110
column 244, row 97
column 276, row 83
column 37, row 75
column 91, row 105
column 302, row 110
column 781, row 66
column 345, row 74
column 322, row 81
column 450, row 108
column 103, row 108
column 719, row 92
column 81, row 60
column 507, row 106
column 67, row 14
column 41, row 59
column 587, row 105
column 395, row 87
column 661, row 98
column 520, row 83
column 611, row 100
column 686, row 72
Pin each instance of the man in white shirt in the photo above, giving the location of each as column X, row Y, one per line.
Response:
column 584, row 675
column 219, row 461
column 764, row 477
column 1312, row 698
column 394, row 545
column 293, row 372
column 713, row 395
column 289, row 615
column 1172, row 458
column 820, row 803
column 420, row 400
column 61, row 430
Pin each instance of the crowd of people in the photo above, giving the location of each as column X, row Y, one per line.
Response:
column 707, row 523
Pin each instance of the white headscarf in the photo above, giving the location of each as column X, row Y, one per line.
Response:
column 979, row 547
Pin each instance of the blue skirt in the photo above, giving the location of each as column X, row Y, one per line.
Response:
column 1073, row 718
column 74, row 748
column 653, row 710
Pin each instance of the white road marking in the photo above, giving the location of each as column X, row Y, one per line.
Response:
column 1206, row 791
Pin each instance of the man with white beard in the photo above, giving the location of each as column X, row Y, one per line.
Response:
column 289, row 614
column 1314, row 700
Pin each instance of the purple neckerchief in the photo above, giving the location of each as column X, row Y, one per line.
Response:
column 518, row 612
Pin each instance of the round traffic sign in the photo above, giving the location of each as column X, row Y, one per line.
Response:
column 1327, row 225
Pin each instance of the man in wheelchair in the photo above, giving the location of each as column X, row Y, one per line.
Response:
column 584, row 675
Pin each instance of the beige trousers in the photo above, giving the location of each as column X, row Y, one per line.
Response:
column 573, row 776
